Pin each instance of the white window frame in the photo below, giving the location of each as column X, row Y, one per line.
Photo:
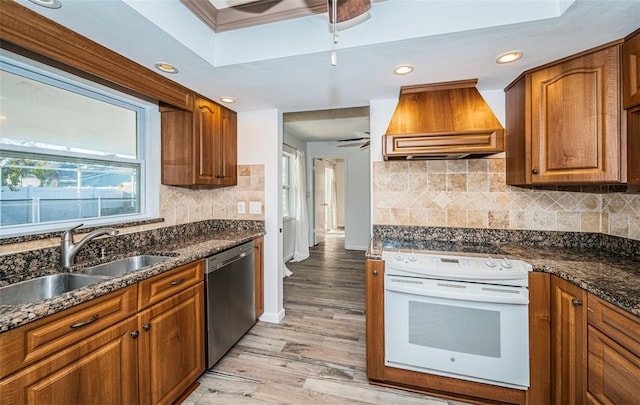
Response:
column 148, row 144
column 289, row 189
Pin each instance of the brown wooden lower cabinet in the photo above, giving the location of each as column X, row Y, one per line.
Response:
column 614, row 355
column 96, row 363
column 568, row 342
column 97, row 370
column 171, row 355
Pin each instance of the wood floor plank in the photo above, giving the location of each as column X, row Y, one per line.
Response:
column 316, row 355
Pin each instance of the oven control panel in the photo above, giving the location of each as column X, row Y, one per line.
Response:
column 454, row 267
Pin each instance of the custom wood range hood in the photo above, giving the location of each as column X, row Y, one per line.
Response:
column 448, row 120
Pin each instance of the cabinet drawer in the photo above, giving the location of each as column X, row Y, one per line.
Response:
column 31, row 342
column 616, row 323
column 167, row 284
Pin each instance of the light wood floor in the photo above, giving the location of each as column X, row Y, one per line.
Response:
column 316, row 355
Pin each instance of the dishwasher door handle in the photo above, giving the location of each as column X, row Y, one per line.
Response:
column 229, row 261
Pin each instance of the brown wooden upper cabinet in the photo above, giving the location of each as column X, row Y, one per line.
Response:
column 199, row 148
column 564, row 122
column 631, row 70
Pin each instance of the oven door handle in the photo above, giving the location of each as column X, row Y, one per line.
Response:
column 489, row 294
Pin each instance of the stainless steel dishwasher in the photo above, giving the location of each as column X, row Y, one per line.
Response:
column 230, row 305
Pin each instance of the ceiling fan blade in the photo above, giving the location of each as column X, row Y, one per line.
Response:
column 353, row 139
column 365, row 145
column 350, row 145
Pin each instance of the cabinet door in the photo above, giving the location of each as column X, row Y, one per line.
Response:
column 207, row 145
column 575, row 129
column 614, row 372
column 228, row 158
column 97, row 370
column 568, row 343
column 177, row 147
column 258, row 245
column 631, row 70
column 171, row 348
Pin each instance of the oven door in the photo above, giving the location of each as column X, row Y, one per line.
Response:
column 475, row 332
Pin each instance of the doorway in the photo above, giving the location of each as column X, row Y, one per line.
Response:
column 329, row 198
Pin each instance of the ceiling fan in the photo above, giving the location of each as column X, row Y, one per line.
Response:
column 356, row 141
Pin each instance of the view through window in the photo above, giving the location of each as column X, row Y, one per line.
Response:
column 68, row 151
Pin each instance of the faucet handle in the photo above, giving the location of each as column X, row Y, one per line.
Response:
column 68, row 233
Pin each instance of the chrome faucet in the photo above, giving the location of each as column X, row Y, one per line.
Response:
column 70, row 249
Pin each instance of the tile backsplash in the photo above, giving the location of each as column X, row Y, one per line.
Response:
column 182, row 205
column 474, row 194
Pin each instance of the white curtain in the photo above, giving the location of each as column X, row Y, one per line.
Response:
column 299, row 184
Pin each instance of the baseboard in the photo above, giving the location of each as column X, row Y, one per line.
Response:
column 272, row 317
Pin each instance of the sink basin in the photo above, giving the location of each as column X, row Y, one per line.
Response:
column 41, row 288
column 124, row 266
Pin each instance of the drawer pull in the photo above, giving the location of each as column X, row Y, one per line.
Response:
column 176, row 282
column 576, row 302
column 87, row 322
column 135, row 334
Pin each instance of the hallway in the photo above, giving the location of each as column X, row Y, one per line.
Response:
column 316, row 355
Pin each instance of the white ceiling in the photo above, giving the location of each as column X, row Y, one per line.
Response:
column 286, row 65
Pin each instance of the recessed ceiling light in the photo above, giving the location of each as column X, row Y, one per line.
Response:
column 509, row 57
column 165, row 67
column 227, row 99
column 403, row 70
column 47, row 3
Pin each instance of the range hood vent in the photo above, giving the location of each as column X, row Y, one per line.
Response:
column 448, row 120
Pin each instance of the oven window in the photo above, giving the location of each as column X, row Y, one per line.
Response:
column 458, row 329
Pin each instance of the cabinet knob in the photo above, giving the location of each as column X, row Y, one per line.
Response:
column 534, row 171
column 146, row 326
column 576, row 302
column 135, row 334
column 375, row 273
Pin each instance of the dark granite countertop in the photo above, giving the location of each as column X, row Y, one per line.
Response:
column 197, row 247
column 612, row 277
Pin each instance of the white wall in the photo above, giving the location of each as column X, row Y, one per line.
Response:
column 260, row 142
column 294, row 142
column 357, row 186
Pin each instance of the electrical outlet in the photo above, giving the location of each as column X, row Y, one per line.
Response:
column 242, row 207
column 255, row 207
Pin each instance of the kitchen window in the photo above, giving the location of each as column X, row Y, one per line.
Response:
column 71, row 151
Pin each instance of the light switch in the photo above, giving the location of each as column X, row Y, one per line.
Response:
column 255, row 207
column 242, row 207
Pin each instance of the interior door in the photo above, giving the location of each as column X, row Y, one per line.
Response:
column 320, row 200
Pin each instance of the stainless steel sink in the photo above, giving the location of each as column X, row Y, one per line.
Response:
column 41, row 288
column 124, row 266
